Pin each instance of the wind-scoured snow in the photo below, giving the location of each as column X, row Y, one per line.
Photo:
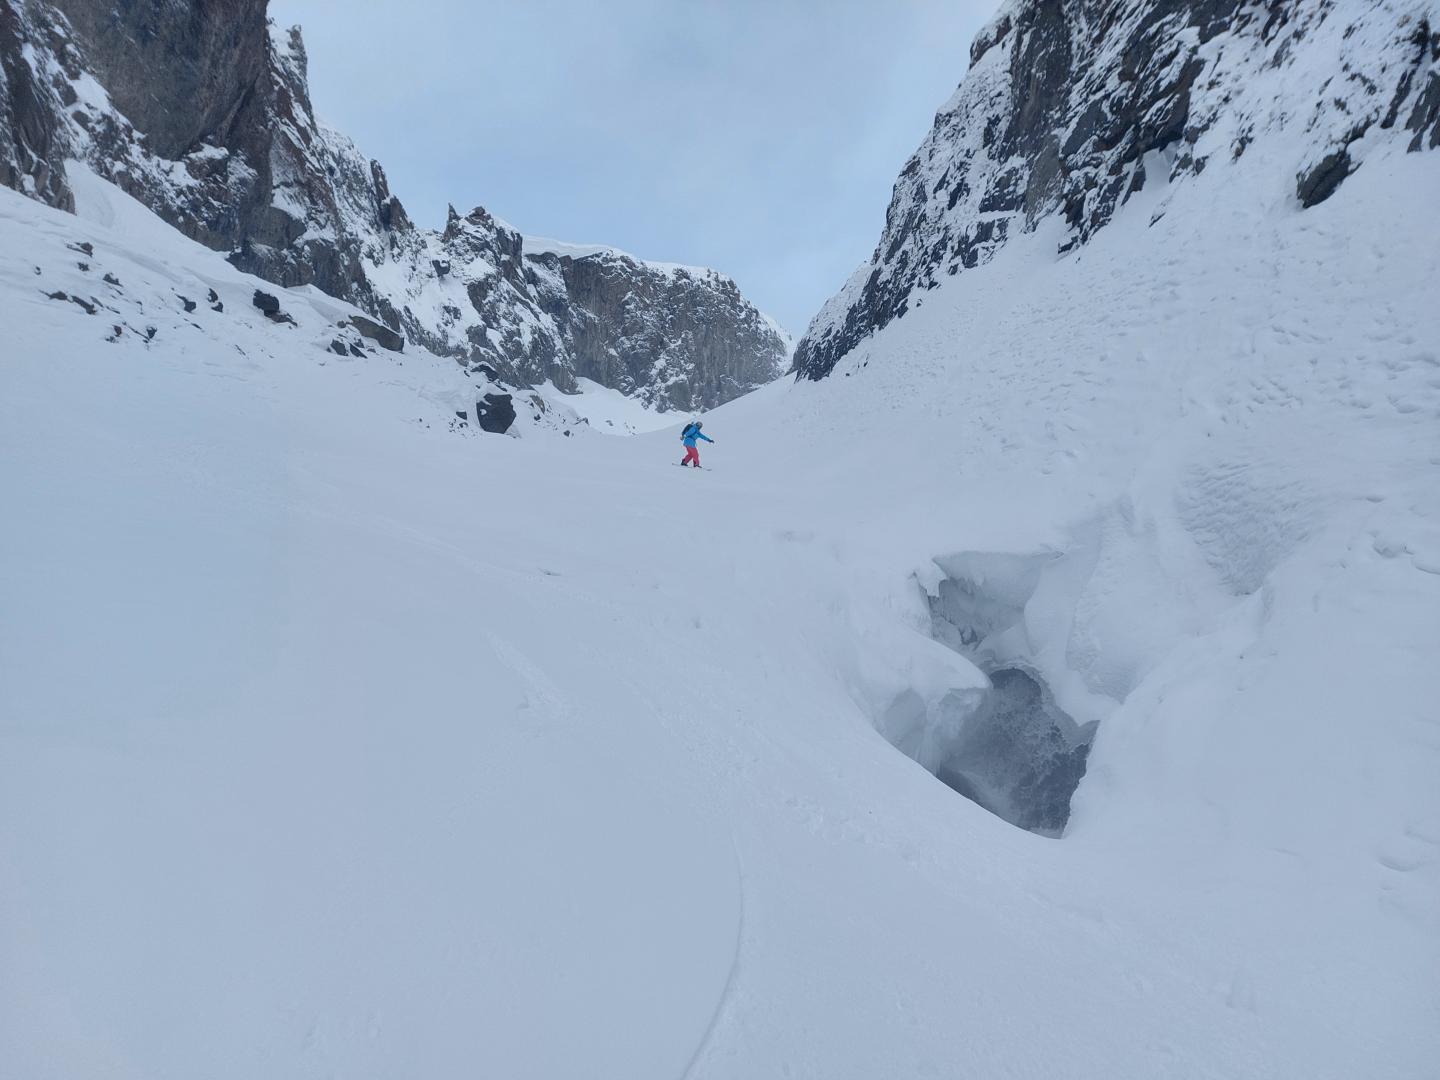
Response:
column 336, row 742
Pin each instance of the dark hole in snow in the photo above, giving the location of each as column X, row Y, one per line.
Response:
column 1009, row 747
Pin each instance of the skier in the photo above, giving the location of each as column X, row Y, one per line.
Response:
column 690, row 437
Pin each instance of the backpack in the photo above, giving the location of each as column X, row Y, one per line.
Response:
column 689, row 429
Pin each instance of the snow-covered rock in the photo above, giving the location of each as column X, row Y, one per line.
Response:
column 236, row 159
column 1069, row 109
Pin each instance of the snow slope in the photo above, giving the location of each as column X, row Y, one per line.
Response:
column 609, row 410
column 341, row 744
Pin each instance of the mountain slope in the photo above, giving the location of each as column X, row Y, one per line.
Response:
column 1071, row 108
column 338, row 743
column 236, row 159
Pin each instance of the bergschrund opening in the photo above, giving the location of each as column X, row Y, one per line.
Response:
column 1008, row 746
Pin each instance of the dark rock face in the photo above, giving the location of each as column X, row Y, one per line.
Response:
column 209, row 55
column 1072, row 106
column 680, row 338
column 32, row 143
column 210, row 125
column 1318, row 183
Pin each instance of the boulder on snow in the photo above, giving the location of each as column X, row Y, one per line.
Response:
column 270, row 305
column 495, row 413
column 338, row 348
column 381, row 335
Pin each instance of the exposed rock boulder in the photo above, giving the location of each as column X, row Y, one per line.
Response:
column 270, row 306
column 495, row 412
column 381, row 335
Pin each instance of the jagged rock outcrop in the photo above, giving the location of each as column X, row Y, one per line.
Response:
column 1072, row 106
column 32, row 145
column 676, row 336
column 201, row 110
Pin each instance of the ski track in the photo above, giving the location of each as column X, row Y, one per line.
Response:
column 722, row 1002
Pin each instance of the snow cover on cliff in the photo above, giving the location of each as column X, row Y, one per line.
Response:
column 1070, row 109
column 203, row 113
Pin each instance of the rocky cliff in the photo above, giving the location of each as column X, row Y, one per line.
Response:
column 201, row 110
column 1072, row 106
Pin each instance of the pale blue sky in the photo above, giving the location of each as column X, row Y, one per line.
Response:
column 760, row 138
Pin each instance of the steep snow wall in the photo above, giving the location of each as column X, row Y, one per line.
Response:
column 202, row 111
column 1072, row 106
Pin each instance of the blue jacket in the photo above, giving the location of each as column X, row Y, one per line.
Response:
column 692, row 433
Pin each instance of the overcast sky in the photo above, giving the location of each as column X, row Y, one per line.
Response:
column 760, row 137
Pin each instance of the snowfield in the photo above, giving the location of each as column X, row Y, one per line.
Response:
column 609, row 410
column 336, row 741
